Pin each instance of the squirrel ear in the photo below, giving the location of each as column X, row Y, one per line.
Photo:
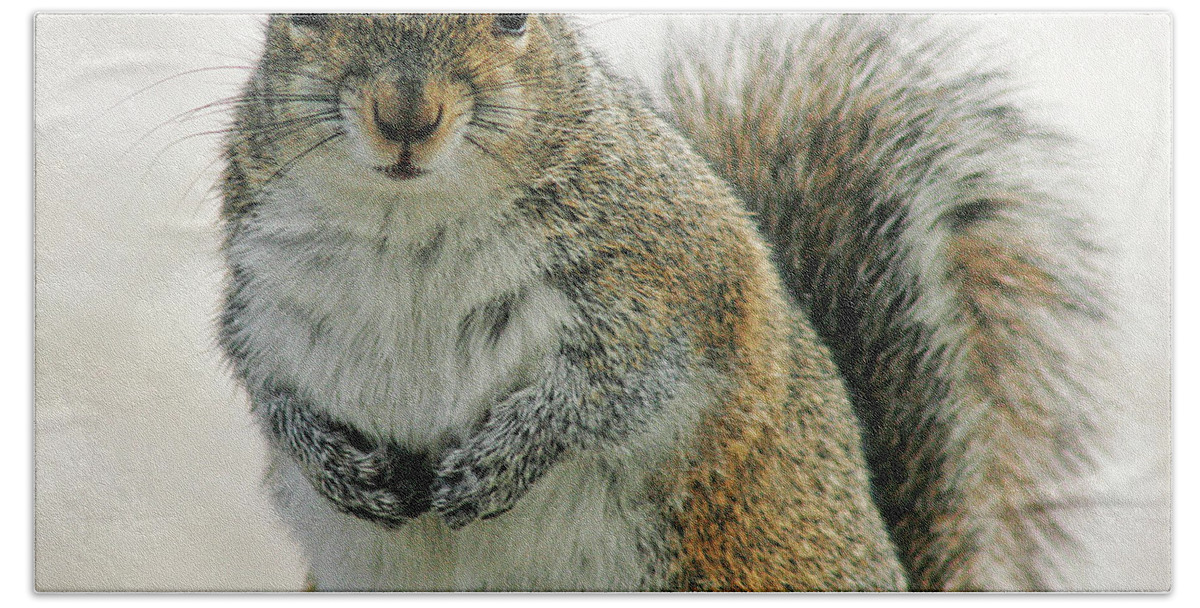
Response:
column 312, row 21
column 510, row 24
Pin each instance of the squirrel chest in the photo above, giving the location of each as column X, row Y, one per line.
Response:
column 401, row 326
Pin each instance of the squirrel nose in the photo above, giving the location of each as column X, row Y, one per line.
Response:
column 407, row 127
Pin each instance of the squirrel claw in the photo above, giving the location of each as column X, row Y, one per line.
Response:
column 454, row 493
column 458, row 517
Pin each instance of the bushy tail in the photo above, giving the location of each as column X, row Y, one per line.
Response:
column 919, row 217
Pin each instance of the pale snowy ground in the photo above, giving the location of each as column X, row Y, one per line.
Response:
column 147, row 463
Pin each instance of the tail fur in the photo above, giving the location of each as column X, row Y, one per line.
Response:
column 927, row 226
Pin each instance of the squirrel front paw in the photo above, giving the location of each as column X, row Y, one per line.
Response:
column 389, row 486
column 469, row 488
column 486, row 475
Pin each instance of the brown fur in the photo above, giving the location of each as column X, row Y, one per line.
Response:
column 774, row 496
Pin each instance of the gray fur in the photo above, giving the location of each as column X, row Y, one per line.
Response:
column 383, row 483
column 566, row 411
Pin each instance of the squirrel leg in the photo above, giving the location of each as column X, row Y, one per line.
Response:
column 586, row 398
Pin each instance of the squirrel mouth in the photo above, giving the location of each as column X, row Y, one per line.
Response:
column 401, row 171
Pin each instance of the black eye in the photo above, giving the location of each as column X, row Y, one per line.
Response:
column 311, row 20
column 511, row 24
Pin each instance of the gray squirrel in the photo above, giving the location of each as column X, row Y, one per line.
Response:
column 823, row 323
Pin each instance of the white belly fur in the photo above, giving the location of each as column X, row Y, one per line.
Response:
column 563, row 535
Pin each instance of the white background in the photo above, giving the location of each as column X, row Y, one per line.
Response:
column 147, row 462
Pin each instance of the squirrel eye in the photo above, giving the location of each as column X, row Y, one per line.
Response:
column 310, row 20
column 511, row 24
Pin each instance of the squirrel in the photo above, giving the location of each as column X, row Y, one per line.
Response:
column 822, row 323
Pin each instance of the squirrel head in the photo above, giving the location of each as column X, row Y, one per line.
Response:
column 488, row 96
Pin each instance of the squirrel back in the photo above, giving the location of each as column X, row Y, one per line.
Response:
column 932, row 232
column 505, row 329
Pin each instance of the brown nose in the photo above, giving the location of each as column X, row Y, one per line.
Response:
column 407, row 127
